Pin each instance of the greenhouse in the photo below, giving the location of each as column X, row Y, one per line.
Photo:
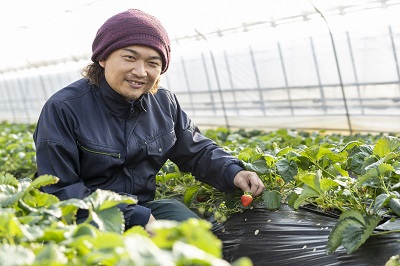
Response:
column 305, row 93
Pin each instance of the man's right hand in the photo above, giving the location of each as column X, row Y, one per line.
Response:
column 151, row 219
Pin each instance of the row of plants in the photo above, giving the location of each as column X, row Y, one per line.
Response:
column 38, row 229
column 357, row 177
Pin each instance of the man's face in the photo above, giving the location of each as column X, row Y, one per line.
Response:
column 133, row 70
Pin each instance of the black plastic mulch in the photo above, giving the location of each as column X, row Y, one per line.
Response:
column 289, row 237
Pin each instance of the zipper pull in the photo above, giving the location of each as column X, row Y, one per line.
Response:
column 132, row 110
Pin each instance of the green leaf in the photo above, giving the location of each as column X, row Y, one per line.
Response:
column 311, row 180
column 108, row 240
column 9, row 195
column 51, row 254
column 353, row 214
column 357, row 157
column 396, row 166
column 286, row 169
column 306, row 194
column 352, row 237
column 351, row 145
column 259, row 166
column 54, row 234
column 356, row 235
column 335, row 238
column 104, row 199
column 85, row 229
column 190, row 193
column 326, row 184
column 170, row 176
column 8, row 179
column 69, row 208
column 16, row 255
column 340, row 170
column 371, row 177
column 202, row 237
column 11, row 228
column 45, row 199
column 43, row 180
column 191, row 255
column 351, row 231
column 394, row 204
column 142, row 251
column 243, row 261
column 272, row 199
column 381, row 201
column 166, row 233
column 109, row 220
column 385, row 145
column 135, row 230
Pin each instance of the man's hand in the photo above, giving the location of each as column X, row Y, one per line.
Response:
column 146, row 227
column 249, row 182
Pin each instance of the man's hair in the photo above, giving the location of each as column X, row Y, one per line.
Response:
column 94, row 72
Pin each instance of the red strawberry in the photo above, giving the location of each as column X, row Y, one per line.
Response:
column 246, row 199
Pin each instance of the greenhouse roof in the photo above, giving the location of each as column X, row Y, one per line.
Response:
column 42, row 33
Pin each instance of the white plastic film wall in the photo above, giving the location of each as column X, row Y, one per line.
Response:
column 288, row 73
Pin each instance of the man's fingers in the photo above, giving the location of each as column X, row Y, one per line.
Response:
column 249, row 182
column 256, row 185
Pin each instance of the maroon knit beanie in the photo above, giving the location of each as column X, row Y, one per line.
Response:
column 132, row 27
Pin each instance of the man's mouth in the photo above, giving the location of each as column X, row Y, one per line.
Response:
column 133, row 82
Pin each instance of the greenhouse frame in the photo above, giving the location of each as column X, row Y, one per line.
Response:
column 351, row 82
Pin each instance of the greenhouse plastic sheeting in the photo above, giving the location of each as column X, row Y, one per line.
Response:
column 290, row 237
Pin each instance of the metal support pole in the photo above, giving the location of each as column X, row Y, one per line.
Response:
column 217, row 80
column 337, row 68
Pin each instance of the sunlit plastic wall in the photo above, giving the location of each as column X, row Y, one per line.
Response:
column 304, row 72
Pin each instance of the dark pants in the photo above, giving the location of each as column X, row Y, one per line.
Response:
column 170, row 209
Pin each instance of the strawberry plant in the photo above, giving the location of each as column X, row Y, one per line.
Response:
column 38, row 229
column 17, row 150
column 356, row 177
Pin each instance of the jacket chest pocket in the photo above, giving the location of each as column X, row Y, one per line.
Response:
column 162, row 144
column 98, row 160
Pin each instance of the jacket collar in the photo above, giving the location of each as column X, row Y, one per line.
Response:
column 115, row 102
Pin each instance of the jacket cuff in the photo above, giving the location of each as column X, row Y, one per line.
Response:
column 135, row 215
column 230, row 173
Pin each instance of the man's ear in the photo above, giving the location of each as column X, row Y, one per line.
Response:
column 102, row 63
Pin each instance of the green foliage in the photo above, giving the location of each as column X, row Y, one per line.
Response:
column 17, row 150
column 357, row 176
column 352, row 230
column 36, row 229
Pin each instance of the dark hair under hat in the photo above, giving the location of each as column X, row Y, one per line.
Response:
column 131, row 27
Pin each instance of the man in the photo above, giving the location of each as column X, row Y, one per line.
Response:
column 115, row 128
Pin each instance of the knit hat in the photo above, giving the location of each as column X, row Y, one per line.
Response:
column 131, row 27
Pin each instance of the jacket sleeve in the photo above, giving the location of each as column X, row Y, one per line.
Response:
column 201, row 156
column 57, row 154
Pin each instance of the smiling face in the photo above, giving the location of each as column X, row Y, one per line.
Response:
column 133, row 70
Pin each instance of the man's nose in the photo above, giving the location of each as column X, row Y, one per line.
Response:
column 139, row 69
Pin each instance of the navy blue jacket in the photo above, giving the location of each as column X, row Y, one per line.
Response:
column 91, row 138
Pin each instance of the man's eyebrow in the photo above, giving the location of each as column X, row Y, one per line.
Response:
column 130, row 50
column 136, row 53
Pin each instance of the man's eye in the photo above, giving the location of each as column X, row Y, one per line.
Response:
column 129, row 57
column 154, row 64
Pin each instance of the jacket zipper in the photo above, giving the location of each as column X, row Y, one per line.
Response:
column 117, row 155
column 132, row 109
